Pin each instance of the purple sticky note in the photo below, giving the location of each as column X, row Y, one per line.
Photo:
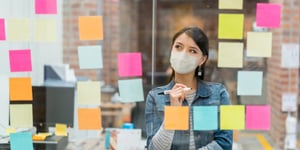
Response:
column 45, row 7
column 130, row 64
column 268, row 15
column 258, row 117
column 2, row 29
column 20, row 60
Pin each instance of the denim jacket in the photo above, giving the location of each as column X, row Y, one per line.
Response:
column 207, row 94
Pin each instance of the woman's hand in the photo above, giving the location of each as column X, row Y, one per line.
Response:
column 177, row 94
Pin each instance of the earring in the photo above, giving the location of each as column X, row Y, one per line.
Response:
column 199, row 71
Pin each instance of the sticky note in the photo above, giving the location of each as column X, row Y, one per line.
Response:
column 18, row 29
column 230, row 54
column 259, row 44
column 290, row 55
column 61, row 129
column 45, row 30
column 172, row 114
column 289, row 102
column 20, row 60
column 130, row 64
column 21, row 140
column 45, row 6
column 268, row 15
column 4, row 98
column 2, row 29
column 90, row 28
column 10, row 130
column 131, row 90
column 89, row 92
column 20, row 89
column 89, row 119
column 231, row 26
column 258, row 117
column 230, row 4
column 90, row 57
column 205, row 117
column 232, row 117
column 21, row 115
column 249, row 83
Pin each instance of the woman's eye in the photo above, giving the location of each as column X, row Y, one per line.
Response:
column 177, row 46
column 193, row 51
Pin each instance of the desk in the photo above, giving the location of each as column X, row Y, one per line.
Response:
column 50, row 143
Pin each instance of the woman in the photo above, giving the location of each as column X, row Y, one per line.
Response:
column 188, row 57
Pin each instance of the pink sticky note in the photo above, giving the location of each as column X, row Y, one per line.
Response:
column 257, row 117
column 2, row 29
column 20, row 60
column 268, row 15
column 130, row 64
column 45, row 7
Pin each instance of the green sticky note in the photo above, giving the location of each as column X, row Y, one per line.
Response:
column 232, row 117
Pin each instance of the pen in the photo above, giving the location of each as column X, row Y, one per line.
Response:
column 168, row 91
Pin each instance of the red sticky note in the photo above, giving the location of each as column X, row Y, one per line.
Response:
column 130, row 64
column 268, row 15
column 257, row 117
column 2, row 29
column 20, row 60
column 45, row 7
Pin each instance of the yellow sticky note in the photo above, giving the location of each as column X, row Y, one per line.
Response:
column 176, row 117
column 89, row 92
column 18, row 29
column 231, row 26
column 230, row 4
column 90, row 28
column 10, row 130
column 20, row 89
column 259, row 44
column 45, row 30
column 89, row 119
column 230, row 54
column 61, row 129
column 20, row 115
column 232, row 117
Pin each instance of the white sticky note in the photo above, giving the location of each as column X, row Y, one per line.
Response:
column 249, row 83
column 290, row 55
column 131, row 90
column 289, row 102
column 90, row 57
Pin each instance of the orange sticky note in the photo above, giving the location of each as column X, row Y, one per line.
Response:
column 89, row 119
column 20, row 89
column 90, row 28
column 176, row 117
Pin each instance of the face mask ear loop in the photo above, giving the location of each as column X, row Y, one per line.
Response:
column 199, row 71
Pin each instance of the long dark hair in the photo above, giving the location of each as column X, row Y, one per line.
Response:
column 200, row 39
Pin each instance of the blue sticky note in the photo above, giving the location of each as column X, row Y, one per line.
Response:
column 90, row 57
column 131, row 90
column 249, row 83
column 205, row 117
column 21, row 140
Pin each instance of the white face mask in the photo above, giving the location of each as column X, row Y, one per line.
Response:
column 183, row 63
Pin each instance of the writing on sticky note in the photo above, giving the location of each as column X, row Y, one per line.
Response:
column 257, row 117
column 18, row 29
column 176, row 118
column 259, row 44
column 289, row 102
column 90, row 57
column 230, row 4
column 130, row 64
column 20, row 89
column 268, row 15
column 230, row 54
column 232, row 117
column 2, row 29
column 21, row 115
column 61, row 129
column 231, row 26
column 21, row 140
column 45, row 30
column 131, row 90
column 205, row 117
column 20, row 60
column 89, row 92
column 89, row 119
column 45, row 6
column 290, row 55
column 249, row 83
column 90, row 28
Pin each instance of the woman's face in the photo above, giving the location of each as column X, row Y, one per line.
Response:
column 184, row 43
